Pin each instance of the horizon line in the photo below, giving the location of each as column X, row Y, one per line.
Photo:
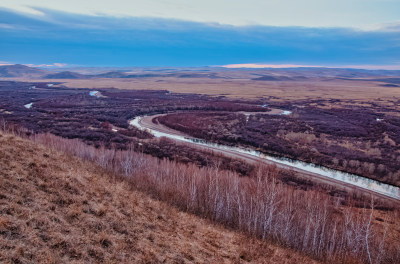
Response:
column 227, row 66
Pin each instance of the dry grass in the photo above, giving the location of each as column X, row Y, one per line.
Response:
column 350, row 93
column 360, row 91
column 55, row 208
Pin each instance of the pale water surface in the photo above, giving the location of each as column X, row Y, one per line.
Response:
column 365, row 183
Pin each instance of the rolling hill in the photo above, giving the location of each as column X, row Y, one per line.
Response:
column 19, row 70
column 65, row 75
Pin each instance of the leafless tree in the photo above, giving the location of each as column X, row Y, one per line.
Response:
column 309, row 221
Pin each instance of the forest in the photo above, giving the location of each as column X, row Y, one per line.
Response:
column 103, row 121
column 356, row 140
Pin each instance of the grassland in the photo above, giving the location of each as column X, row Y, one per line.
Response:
column 334, row 88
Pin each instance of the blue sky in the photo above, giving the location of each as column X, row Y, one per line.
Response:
column 199, row 33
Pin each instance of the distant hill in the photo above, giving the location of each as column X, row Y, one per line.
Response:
column 277, row 75
column 390, row 85
column 388, row 80
column 66, row 75
column 392, row 81
column 272, row 78
column 19, row 70
column 112, row 74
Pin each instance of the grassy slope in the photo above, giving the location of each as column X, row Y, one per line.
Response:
column 55, row 208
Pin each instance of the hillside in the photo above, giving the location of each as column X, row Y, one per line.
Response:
column 19, row 70
column 55, row 208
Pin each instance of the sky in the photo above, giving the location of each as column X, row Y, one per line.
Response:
column 356, row 33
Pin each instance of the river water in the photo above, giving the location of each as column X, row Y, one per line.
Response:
column 28, row 106
column 362, row 182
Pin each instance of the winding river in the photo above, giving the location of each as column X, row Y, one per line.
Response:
column 339, row 176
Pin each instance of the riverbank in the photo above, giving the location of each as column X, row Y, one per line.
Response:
column 328, row 175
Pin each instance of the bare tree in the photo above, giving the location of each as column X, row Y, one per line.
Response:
column 309, row 221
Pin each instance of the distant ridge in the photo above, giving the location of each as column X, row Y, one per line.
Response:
column 112, row 74
column 273, row 78
column 19, row 70
column 274, row 75
column 66, row 75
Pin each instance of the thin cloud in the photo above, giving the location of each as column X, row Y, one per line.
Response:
column 52, row 65
column 373, row 67
column 274, row 66
column 6, row 26
column 284, row 66
column 97, row 40
column 308, row 13
column 384, row 27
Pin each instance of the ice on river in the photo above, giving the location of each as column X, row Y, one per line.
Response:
column 286, row 112
column 362, row 182
column 28, row 106
column 95, row 94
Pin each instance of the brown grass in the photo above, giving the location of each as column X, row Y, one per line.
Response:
column 309, row 221
column 55, row 208
column 361, row 91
